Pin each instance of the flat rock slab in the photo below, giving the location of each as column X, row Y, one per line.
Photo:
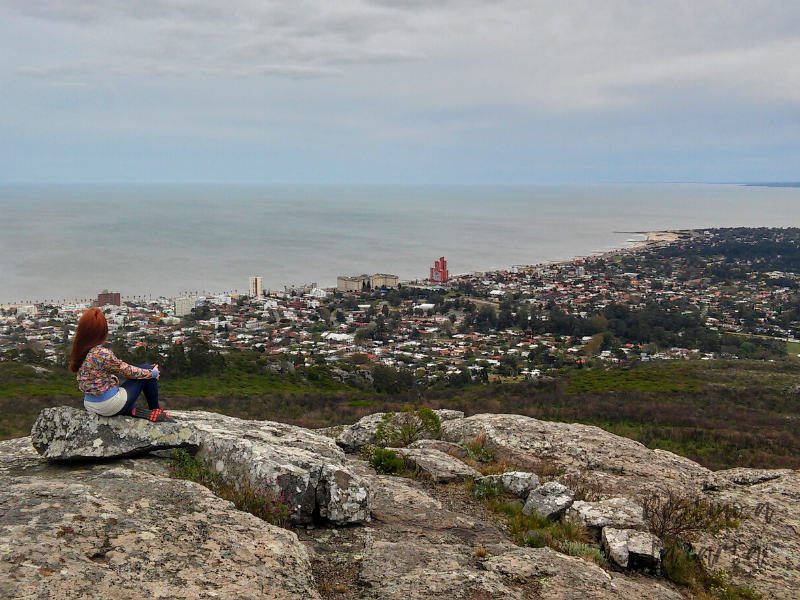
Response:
column 418, row 570
column 570, row 578
column 65, row 433
column 631, row 549
column 620, row 513
column 109, row 532
column 441, row 467
column 450, row 448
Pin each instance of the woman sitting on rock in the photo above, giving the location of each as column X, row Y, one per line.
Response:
column 98, row 368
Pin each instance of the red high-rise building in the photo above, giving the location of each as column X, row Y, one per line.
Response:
column 107, row 298
column 439, row 272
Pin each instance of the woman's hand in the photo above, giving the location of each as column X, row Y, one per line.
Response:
column 155, row 368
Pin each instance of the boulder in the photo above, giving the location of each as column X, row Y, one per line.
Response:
column 441, row 467
column 631, row 549
column 307, row 467
column 65, row 433
column 549, row 501
column 125, row 530
column 518, row 483
column 620, row 513
column 365, row 431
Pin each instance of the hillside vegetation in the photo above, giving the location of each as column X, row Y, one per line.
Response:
column 721, row 414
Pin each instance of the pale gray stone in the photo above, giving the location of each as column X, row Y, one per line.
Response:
column 518, row 483
column 64, row 433
column 441, row 467
column 620, row 513
column 549, row 501
column 632, row 549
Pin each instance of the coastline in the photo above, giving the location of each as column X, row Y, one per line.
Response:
column 652, row 238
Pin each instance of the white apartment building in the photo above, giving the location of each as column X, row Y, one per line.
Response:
column 256, row 291
column 183, row 306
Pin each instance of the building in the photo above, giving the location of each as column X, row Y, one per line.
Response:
column 351, row 284
column 108, row 298
column 256, row 291
column 382, row 281
column 183, row 306
column 439, row 272
column 378, row 281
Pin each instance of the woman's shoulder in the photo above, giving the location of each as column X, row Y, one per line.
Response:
column 100, row 352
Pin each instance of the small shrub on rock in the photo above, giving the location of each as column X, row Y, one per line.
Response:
column 584, row 551
column 676, row 514
column 408, row 426
column 386, row 462
column 487, row 488
column 477, row 450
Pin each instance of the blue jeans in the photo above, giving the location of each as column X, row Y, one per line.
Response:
column 134, row 387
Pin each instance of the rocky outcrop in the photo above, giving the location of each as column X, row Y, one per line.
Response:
column 125, row 530
column 440, row 467
column 631, row 549
column 68, row 433
column 422, row 540
column 308, row 468
column 763, row 551
column 617, row 463
column 365, row 431
column 549, row 501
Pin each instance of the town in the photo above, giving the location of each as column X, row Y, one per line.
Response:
column 701, row 295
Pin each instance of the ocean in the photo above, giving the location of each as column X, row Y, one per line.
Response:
column 69, row 243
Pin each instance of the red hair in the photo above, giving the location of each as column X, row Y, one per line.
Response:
column 92, row 330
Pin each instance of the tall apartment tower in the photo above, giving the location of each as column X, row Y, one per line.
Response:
column 439, row 272
column 255, row 287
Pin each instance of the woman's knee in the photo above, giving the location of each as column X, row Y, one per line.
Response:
column 145, row 366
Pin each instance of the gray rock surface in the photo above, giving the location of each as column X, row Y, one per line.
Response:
column 549, row 501
column 564, row 577
column 518, row 483
column 69, row 433
column 364, row 432
column 440, row 467
column 307, row 467
column 447, row 447
column 616, row 462
column 631, row 549
column 125, row 530
column 613, row 512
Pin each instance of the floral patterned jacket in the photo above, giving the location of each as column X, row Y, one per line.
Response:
column 97, row 372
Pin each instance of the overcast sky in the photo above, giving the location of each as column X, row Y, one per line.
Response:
column 378, row 91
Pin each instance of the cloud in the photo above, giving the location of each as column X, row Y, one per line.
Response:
column 564, row 54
